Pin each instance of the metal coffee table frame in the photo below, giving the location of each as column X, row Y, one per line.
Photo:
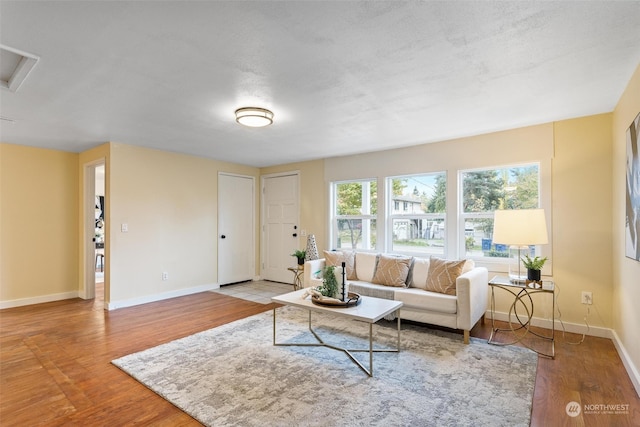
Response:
column 348, row 351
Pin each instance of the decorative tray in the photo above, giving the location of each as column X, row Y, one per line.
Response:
column 353, row 300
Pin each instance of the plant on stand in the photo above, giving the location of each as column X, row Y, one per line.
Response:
column 534, row 267
column 300, row 255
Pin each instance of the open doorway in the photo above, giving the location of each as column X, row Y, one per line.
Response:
column 99, row 231
column 94, row 236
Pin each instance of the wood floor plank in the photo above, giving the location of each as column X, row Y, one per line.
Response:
column 55, row 364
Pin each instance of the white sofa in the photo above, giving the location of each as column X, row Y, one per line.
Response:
column 459, row 311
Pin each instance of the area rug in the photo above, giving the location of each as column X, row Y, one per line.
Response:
column 233, row 375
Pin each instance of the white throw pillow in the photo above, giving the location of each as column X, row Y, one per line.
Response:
column 366, row 266
column 468, row 266
column 419, row 273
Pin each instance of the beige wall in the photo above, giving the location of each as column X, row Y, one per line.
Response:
column 313, row 201
column 582, row 217
column 575, row 157
column 169, row 202
column 38, row 224
column 626, row 272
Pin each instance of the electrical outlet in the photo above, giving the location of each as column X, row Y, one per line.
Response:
column 587, row 298
column 165, row 276
column 303, row 232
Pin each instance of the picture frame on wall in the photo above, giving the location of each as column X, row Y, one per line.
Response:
column 632, row 220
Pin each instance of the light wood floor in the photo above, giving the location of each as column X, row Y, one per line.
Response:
column 55, row 365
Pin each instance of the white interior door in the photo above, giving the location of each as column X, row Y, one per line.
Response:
column 281, row 234
column 236, row 228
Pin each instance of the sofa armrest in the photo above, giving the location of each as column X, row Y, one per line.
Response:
column 472, row 290
column 311, row 268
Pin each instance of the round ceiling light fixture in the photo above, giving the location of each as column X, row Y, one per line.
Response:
column 254, row 117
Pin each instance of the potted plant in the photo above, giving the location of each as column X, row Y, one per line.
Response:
column 329, row 286
column 533, row 265
column 300, row 255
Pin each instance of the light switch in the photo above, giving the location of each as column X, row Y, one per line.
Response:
column 124, row 227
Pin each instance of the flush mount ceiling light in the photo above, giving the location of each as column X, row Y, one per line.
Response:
column 254, row 117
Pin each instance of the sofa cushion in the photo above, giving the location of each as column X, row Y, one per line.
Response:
column 392, row 271
column 425, row 300
column 366, row 266
column 443, row 274
column 336, row 258
column 418, row 273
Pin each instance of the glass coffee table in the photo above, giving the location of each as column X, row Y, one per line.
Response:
column 370, row 310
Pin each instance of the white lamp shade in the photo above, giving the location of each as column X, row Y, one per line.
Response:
column 520, row 227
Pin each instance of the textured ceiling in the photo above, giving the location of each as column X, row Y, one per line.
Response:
column 341, row 77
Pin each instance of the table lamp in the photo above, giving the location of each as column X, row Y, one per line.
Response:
column 519, row 228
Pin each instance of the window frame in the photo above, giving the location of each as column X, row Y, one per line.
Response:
column 390, row 216
column 454, row 229
column 335, row 218
column 493, row 263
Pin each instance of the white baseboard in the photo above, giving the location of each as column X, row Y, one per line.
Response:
column 114, row 305
column 38, row 300
column 632, row 370
column 576, row 328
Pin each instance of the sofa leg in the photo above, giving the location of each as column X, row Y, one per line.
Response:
column 466, row 336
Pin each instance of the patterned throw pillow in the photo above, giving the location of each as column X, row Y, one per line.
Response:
column 392, row 271
column 443, row 274
column 336, row 258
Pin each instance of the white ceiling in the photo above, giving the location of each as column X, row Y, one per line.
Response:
column 341, row 77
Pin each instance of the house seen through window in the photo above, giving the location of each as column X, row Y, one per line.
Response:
column 419, row 227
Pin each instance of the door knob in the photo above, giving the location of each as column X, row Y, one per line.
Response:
column 223, row 237
column 295, row 234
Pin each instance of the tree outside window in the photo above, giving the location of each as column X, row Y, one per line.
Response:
column 355, row 209
column 483, row 192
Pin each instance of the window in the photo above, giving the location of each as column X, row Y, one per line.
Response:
column 420, row 228
column 447, row 214
column 354, row 214
column 484, row 191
